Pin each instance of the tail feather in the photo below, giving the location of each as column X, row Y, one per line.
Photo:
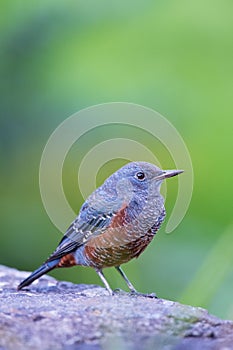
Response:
column 46, row 267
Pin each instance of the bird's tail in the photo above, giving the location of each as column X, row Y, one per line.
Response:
column 46, row 267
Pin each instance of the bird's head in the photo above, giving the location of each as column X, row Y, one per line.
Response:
column 142, row 174
column 136, row 182
column 138, row 178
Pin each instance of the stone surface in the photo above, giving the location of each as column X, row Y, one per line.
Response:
column 60, row 315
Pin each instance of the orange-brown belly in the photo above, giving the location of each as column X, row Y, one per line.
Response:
column 115, row 247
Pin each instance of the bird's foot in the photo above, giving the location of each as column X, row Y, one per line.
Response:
column 145, row 295
column 119, row 291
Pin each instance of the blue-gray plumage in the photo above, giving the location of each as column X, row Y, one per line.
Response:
column 115, row 224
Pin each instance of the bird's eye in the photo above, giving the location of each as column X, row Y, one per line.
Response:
column 140, row 176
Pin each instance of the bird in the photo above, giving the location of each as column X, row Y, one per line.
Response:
column 114, row 225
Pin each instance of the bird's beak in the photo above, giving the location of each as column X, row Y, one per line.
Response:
column 168, row 173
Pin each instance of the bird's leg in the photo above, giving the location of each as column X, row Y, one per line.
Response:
column 105, row 282
column 133, row 291
column 129, row 284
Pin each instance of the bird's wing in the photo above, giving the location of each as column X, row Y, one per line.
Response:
column 89, row 223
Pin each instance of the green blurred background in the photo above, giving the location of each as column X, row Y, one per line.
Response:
column 176, row 57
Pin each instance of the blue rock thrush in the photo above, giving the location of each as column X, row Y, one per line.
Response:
column 115, row 224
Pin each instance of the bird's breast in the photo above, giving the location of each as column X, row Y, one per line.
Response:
column 119, row 244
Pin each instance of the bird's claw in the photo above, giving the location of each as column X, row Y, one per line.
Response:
column 119, row 291
column 145, row 295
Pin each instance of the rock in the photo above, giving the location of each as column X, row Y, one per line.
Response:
column 56, row 315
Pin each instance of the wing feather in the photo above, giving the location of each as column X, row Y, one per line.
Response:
column 81, row 230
